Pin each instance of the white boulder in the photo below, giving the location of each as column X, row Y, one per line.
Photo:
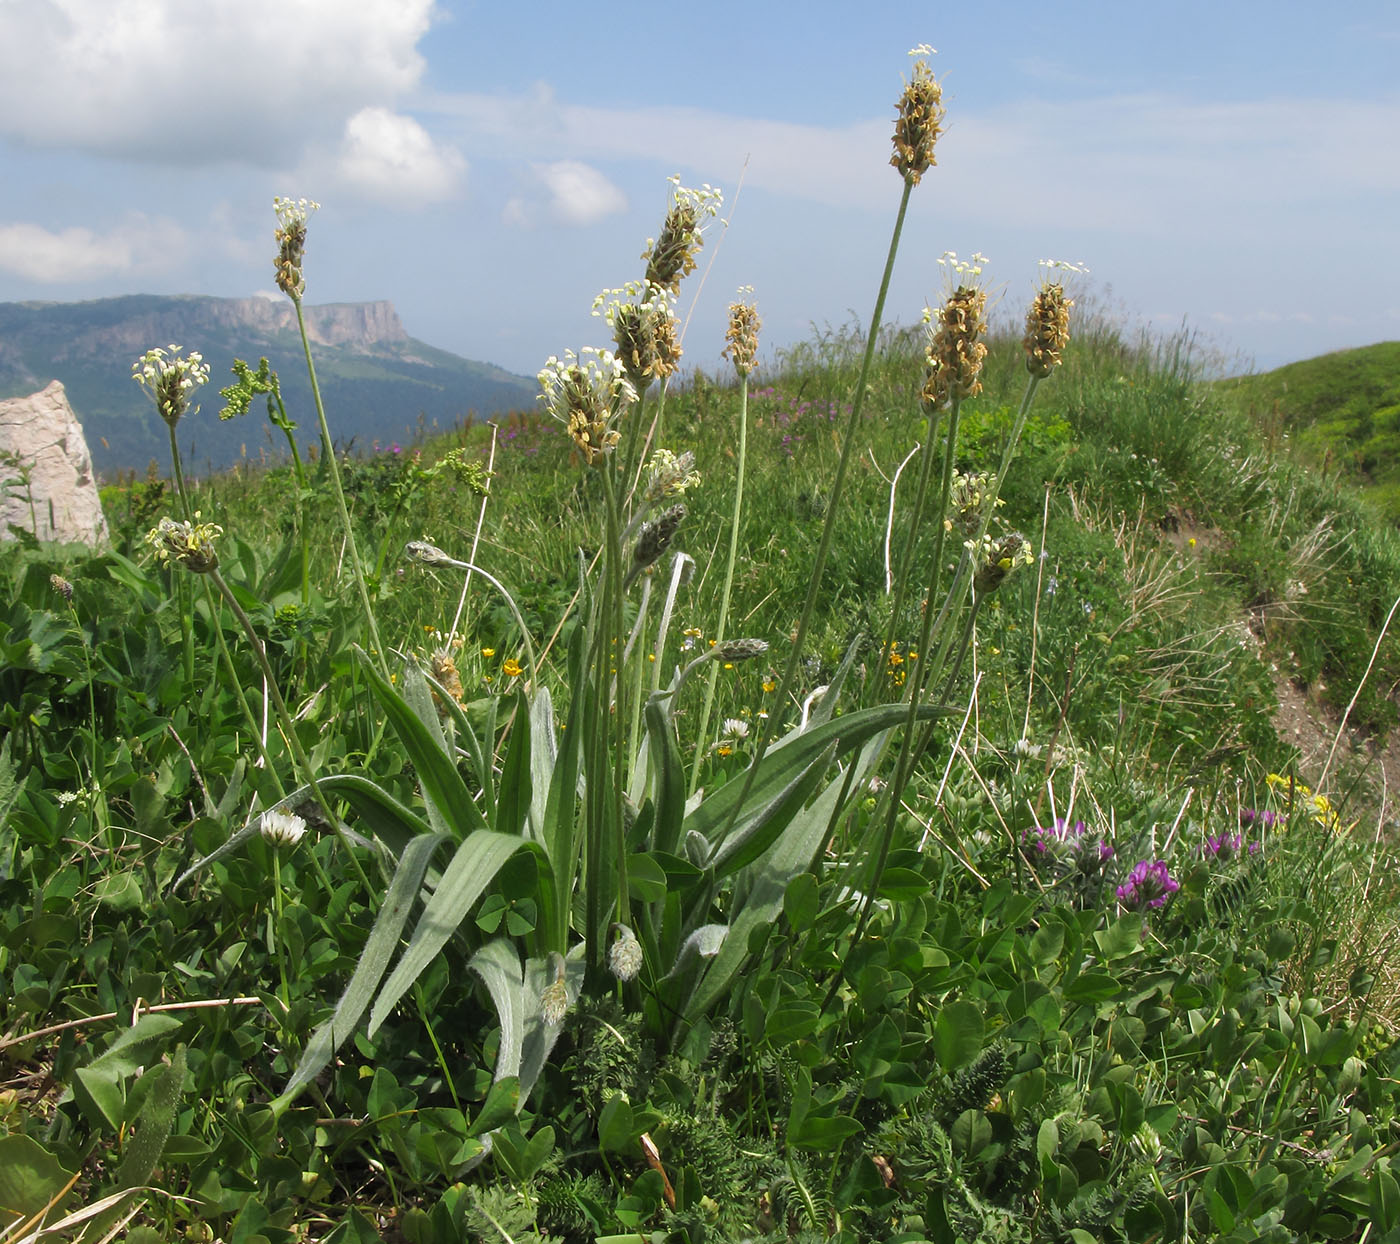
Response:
column 47, row 484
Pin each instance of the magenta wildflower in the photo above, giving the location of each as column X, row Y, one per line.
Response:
column 1046, row 837
column 1148, row 885
column 1261, row 817
column 1225, row 847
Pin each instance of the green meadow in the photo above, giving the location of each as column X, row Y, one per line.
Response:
column 834, row 797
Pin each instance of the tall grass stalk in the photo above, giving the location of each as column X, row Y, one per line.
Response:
column 799, row 638
column 702, row 734
column 288, row 726
column 328, row 448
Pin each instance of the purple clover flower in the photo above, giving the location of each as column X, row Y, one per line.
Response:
column 1225, row 847
column 1148, row 885
column 1262, row 817
column 1046, row 837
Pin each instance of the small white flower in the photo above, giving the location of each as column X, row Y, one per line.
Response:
column 736, row 728
column 923, row 49
column 282, row 829
column 1026, row 750
column 291, row 212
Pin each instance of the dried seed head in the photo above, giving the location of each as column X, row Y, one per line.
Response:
column 955, row 350
column 1047, row 322
column 671, row 255
column 444, row 668
column 739, row 649
column 185, row 544
column 643, row 324
column 918, row 125
column 742, row 335
column 656, row 537
column 61, row 586
column 292, row 215
column 625, row 954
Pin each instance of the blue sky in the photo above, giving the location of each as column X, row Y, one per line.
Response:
column 489, row 168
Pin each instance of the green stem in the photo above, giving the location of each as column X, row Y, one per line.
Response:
column 237, row 684
column 328, row 448
column 285, row 423
column 284, row 718
column 181, row 588
column 906, row 557
column 829, row 526
column 904, row 766
column 613, row 720
column 702, row 736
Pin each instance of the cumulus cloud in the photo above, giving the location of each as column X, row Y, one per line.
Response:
column 388, row 156
column 171, row 81
column 566, row 192
column 65, row 256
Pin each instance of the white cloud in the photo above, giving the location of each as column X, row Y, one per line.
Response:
column 45, row 256
column 1138, row 164
column 567, row 192
column 185, row 83
column 391, row 157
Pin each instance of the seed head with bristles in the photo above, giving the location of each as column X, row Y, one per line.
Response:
column 918, row 125
column 671, row 254
column 292, row 215
column 742, row 335
column 61, row 586
column 444, row 668
column 1047, row 321
column 585, row 393
column 644, row 330
column 955, row 348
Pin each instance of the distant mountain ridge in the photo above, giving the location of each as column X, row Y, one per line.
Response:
column 378, row 383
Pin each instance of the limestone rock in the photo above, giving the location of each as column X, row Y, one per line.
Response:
column 40, row 436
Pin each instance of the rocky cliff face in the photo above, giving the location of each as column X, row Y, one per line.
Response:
column 128, row 327
column 357, row 325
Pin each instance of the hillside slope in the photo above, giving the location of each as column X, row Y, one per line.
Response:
column 1339, row 409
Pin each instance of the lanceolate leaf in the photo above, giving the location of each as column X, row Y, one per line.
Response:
column 761, row 831
column 449, row 804
column 476, row 862
column 498, row 965
column 543, row 753
column 381, row 815
column 514, row 796
column 780, row 766
column 374, row 959
column 669, row 776
column 793, row 853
